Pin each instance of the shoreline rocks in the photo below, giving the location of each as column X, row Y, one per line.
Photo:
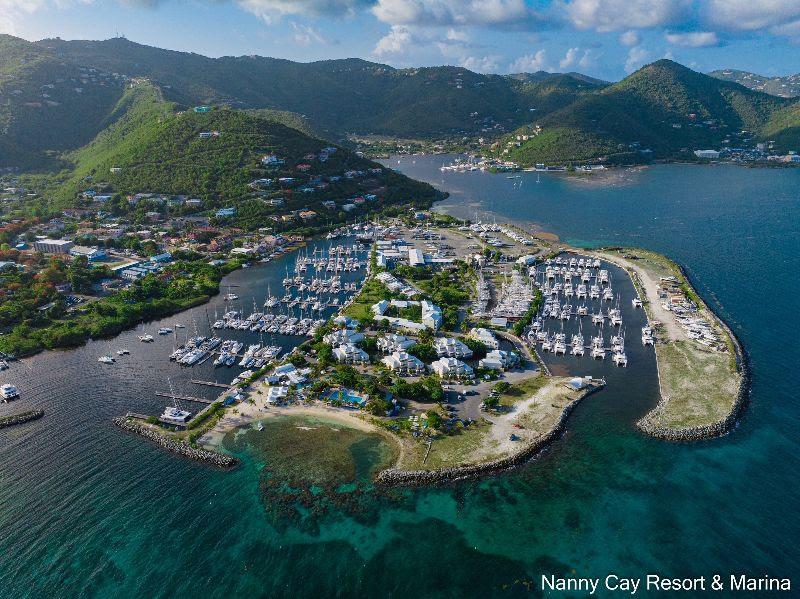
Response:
column 20, row 418
column 213, row 458
column 395, row 477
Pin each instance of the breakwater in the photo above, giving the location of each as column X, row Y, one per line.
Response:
column 179, row 448
column 395, row 477
column 21, row 418
column 716, row 429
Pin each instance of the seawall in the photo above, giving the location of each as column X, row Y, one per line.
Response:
column 394, row 477
column 182, row 449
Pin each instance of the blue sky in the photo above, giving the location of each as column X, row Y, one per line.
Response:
column 604, row 38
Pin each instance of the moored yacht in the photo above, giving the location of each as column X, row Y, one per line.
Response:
column 8, row 392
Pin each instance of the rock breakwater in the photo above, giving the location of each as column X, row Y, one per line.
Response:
column 177, row 447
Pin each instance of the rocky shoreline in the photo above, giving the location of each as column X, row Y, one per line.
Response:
column 715, row 429
column 21, row 418
column 395, row 477
column 182, row 449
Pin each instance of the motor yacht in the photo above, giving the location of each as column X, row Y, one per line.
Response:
column 8, row 392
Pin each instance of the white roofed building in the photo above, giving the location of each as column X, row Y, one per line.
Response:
column 342, row 337
column 404, row 363
column 394, row 343
column 451, row 368
column 499, row 359
column 350, row 354
column 451, row 348
column 485, row 336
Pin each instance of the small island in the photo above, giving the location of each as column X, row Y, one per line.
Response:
column 440, row 354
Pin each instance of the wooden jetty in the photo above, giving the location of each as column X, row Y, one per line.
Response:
column 184, row 397
column 210, row 384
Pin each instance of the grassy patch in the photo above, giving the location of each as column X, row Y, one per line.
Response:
column 522, row 390
column 699, row 384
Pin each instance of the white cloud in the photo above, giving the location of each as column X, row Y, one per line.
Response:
column 480, row 64
column 587, row 59
column 637, row 56
column 530, row 63
column 752, row 15
column 395, row 42
column 12, row 10
column 306, row 34
column 694, row 39
column 630, row 38
column 482, row 13
column 272, row 10
column 569, row 58
column 618, row 15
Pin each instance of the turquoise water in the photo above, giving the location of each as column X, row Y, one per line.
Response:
column 86, row 510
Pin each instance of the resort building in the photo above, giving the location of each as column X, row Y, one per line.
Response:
column 451, row 348
column 277, row 394
column 431, row 315
column 485, row 336
column 343, row 337
column 404, row 363
column 499, row 359
column 395, row 343
column 350, row 354
column 451, row 368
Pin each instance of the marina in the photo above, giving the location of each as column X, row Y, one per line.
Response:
column 516, row 520
column 594, row 327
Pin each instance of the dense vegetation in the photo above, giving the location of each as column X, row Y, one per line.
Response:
column 664, row 108
column 35, row 316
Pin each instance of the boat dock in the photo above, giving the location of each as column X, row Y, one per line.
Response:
column 210, row 384
column 184, row 397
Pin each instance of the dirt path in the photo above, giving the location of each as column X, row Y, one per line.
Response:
column 650, row 284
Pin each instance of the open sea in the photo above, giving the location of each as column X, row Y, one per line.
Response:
column 87, row 510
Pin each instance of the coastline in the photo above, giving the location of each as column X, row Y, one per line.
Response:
column 649, row 424
column 394, row 477
column 723, row 426
column 185, row 450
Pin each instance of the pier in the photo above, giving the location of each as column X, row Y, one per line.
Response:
column 210, row 384
column 184, row 397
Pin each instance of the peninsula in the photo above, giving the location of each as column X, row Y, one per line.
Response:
column 444, row 351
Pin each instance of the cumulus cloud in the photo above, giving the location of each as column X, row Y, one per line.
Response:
column 619, row 15
column 569, row 58
column 480, row 13
column 752, row 15
column 395, row 42
column 693, row 39
column 480, row 64
column 530, row 63
column 637, row 56
column 271, row 10
column 630, row 38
